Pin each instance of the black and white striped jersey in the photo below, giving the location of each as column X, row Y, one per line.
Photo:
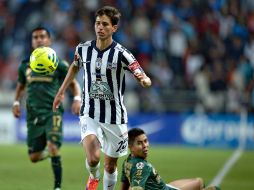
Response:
column 104, row 80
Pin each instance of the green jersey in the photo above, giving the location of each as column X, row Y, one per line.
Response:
column 42, row 123
column 140, row 173
column 41, row 90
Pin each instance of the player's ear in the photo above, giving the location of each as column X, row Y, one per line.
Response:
column 49, row 42
column 115, row 27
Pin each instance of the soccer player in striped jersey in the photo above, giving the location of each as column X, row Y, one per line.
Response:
column 139, row 174
column 103, row 116
column 44, row 126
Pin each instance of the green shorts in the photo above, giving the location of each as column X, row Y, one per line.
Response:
column 42, row 126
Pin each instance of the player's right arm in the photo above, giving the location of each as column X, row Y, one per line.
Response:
column 124, row 179
column 20, row 88
column 73, row 70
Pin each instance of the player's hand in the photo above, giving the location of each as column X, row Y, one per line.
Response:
column 16, row 111
column 76, row 107
column 144, row 80
column 57, row 101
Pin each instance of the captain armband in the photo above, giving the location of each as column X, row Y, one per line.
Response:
column 135, row 68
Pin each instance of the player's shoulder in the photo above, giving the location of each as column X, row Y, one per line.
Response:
column 121, row 48
column 63, row 62
column 86, row 43
column 138, row 163
column 25, row 61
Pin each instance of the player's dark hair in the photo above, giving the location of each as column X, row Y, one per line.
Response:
column 133, row 133
column 41, row 28
column 112, row 12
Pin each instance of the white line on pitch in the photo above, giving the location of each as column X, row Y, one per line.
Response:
column 228, row 165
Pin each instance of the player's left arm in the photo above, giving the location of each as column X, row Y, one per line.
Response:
column 143, row 79
column 134, row 67
column 73, row 70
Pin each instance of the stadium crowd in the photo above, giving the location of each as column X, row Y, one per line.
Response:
column 201, row 47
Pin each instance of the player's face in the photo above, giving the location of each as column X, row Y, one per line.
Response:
column 104, row 28
column 140, row 146
column 40, row 38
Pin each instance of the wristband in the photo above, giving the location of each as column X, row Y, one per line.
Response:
column 16, row 103
column 77, row 98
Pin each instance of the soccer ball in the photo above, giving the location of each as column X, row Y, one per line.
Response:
column 43, row 60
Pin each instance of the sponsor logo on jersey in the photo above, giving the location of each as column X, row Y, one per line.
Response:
column 31, row 76
column 98, row 63
column 140, row 165
column 98, row 74
column 100, row 90
column 111, row 66
column 138, row 181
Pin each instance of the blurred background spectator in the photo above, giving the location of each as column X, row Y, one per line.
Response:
column 199, row 53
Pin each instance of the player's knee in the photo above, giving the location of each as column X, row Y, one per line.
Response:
column 93, row 160
column 200, row 182
column 34, row 158
column 110, row 168
column 53, row 149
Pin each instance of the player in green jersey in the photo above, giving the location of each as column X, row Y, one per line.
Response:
column 139, row 174
column 44, row 127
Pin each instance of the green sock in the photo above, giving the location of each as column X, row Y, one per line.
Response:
column 57, row 170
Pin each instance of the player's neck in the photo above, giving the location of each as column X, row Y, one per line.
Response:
column 136, row 156
column 103, row 44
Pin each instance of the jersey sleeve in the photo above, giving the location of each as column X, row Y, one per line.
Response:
column 124, row 178
column 63, row 67
column 139, row 175
column 77, row 57
column 132, row 64
column 21, row 74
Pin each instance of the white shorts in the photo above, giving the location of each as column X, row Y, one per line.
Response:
column 112, row 137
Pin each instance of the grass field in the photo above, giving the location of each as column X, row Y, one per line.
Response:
column 17, row 173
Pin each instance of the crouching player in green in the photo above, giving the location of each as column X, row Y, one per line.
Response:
column 44, row 127
column 139, row 174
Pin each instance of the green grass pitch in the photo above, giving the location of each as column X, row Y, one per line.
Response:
column 17, row 173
